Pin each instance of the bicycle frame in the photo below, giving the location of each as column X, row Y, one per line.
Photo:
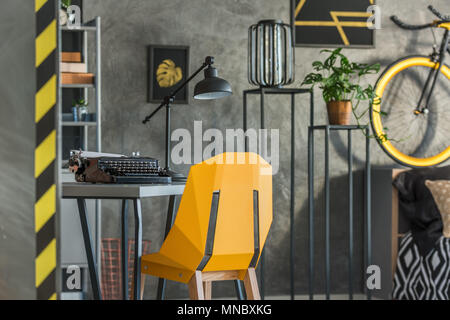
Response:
column 433, row 75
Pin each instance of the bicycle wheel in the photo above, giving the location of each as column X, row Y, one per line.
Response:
column 413, row 140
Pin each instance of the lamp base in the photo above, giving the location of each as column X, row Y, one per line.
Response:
column 176, row 177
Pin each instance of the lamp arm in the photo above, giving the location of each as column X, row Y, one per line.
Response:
column 168, row 99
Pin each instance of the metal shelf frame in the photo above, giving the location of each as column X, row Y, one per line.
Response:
column 93, row 26
column 311, row 203
column 79, row 123
column 262, row 91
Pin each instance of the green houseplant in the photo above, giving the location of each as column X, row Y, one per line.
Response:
column 339, row 80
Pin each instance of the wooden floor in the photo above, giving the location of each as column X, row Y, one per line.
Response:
column 303, row 297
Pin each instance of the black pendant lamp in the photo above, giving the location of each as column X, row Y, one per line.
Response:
column 270, row 54
column 212, row 87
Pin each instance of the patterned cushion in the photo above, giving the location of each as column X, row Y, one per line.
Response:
column 440, row 189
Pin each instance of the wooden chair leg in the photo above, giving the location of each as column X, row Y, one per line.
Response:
column 251, row 285
column 207, row 289
column 143, row 277
column 196, row 287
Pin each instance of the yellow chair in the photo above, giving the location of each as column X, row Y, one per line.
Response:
column 221, row 226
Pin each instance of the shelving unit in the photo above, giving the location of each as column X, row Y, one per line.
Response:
column 71, row 245
column 95, row 27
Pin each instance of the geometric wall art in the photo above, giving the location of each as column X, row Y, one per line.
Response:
column 332, row 23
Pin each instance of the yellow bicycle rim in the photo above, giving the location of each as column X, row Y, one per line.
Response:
column 376, row 118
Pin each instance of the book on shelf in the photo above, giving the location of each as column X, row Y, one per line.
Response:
column 73, row 67
column 77, row 78
column 71, row 57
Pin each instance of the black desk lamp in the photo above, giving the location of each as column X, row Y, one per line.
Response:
column 210, row 88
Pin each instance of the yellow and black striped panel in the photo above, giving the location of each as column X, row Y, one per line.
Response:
column 45, row 148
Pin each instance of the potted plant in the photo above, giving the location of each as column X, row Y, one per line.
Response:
column 80, row 110
column 339, row 80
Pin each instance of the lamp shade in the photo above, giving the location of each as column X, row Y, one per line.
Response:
column 212, row 87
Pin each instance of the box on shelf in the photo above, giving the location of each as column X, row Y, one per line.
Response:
column 73, row 67
column 77, row 78
column 71, row 57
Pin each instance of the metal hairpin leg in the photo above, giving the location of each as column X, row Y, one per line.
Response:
column 350, row 215
column 292, row 248
column 368, row 207
column 137, row 248
column 124, row 245
column 88, row 248
column 264, row 145
column 311, row 210
column 161, row 293
column 327, row 213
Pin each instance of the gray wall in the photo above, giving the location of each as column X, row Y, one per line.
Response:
column 219, row 28
column 17, row 85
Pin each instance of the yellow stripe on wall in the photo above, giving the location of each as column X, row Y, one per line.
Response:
column 38, row 4
column 53, row 297
column 44, row 208
column 45, row 98
column 44, row 154
column 45, row 43
column 355, row 24
column 45, row 262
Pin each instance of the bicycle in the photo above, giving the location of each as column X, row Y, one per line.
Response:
column 411, row 119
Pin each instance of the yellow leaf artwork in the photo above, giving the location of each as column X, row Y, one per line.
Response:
column 168, row 74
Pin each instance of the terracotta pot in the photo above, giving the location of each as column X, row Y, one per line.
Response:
column 339, row 112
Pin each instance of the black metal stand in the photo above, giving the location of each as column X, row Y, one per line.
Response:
column 292, row 92
column 368, row 258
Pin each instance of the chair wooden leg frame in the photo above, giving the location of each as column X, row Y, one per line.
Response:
column 143, row 276
column 200, row 285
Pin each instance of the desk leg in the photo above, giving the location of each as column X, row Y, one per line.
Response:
column 169, row 222
column 124, row 254
column 92, row 266
column 137, row 248
column 239, row 290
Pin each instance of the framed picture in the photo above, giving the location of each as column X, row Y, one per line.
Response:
column 168, row 68
column 332, row 23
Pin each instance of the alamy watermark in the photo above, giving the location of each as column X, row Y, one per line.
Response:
column 373, row 277
column 374, row 20
column 191, row 149
column 73, row 17
column 73, row 281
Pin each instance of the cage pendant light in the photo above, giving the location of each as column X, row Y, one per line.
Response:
column 270, row 54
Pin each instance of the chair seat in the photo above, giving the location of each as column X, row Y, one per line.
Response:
column 160, row 266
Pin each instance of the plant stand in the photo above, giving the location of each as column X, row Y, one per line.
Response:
column 368, row 257
column 292, row 92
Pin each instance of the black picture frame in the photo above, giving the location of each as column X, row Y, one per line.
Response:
column 329, row 37
column 156, row 55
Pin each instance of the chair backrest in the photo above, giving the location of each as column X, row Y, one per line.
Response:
column 224, row 215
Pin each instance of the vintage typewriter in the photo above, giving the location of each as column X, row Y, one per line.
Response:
column 113, row 168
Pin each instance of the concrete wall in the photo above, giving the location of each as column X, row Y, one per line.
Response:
column 219, row 28
column 17, row 85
